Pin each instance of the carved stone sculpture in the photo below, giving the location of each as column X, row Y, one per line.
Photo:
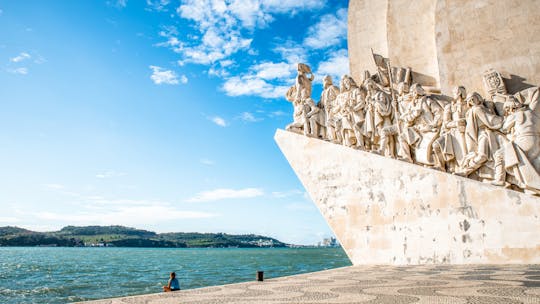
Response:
column 467, row 136
column 450, row 148
column 481, row 137
column 423, row 120
column 520, row 156
column 348, row 106
column 300, row 96
column 327, row 102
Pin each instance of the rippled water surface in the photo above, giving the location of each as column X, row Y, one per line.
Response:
column 60, row 275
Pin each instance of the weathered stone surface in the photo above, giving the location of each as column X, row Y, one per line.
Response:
column 449, row 43
column 385, row 211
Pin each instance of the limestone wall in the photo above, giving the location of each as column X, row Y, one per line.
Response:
column 449, row 42
column 368, row 19
column 385, row 211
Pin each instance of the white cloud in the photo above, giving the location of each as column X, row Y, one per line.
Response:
column 206, row 161
column 226, row 63
column 329, row 31
column 265, row 79
column 54, row 186
column 222, row 194
column 270, row 70
column 40, row 59
column 219, row 72
column 145, row 213
column 117, row 3
column 18, row 71
column 285, row 194
column 99, row 210
column 160, row 75
column 183, row 79
column 277, row 113
column 158, row 5
column 226, row 27
column 249, row 117
column 219, row 121
column 110, row 174
column 22, row 56
column 292, row 52
column 336, row 65
column 250, row 85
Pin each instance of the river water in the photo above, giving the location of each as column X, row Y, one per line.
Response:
column 60, row 275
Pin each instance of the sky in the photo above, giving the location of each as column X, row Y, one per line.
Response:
column 159, row 114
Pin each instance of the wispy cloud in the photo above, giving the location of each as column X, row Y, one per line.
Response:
column 219, row 121
column 183, row 79
column 18, row 71
column 227, row 27
column 329, row 31
column 266, row 79
column 54, row 186
column 158, row 5
column 292, row 52
column 206, row 161
column 117, row 3
column 21, row 57
column 100, row 210
column 336, row 65
column 110, row 174
column 249, row 117
column 251, row 86
column 289, row 193
column 222, row 194
column 277, row 113
column 163, row 76
column 128, row 215
column 271, row 70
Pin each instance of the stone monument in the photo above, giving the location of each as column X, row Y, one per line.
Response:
column 404, row 164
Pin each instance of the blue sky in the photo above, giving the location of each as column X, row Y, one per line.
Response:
column 159, row 114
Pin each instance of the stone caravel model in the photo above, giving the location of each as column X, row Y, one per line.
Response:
column 386, row 211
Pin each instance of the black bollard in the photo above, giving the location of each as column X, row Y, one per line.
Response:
column 260, row 276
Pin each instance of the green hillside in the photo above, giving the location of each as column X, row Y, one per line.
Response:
column 120, row 236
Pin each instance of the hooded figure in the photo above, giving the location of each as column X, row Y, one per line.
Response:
column 481, row 136
column 520, row 156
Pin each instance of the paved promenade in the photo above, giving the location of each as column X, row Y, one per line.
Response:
column 373, row 284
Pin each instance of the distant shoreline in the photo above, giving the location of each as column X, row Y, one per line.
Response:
column 127, row 237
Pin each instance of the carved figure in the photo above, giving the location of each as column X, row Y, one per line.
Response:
column 422, row 122
column 481, row 138
column 316, row 119
column 328, row 97
column 467, row 136
column 450, row 147
column 346, row 100
column 300, row 96
column 359, row 117
column 520, row 156
column 383, row 116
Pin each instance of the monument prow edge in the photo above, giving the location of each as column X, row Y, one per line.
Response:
column 387, row 211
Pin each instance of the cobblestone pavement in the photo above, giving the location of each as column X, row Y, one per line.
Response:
column 372, row 284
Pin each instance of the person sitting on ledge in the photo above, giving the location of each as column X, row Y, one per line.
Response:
column 173, row 284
